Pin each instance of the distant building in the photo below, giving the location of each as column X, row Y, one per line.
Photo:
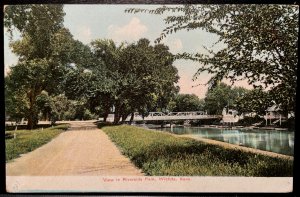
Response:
column 274, row 114
column 230, row 116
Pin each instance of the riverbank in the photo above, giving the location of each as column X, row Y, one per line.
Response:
column 239, row 147
column 164, row 154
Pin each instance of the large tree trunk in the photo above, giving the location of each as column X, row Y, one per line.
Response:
column 105, row 117
column 124, row 117
column 32, row 116
column 106, row 112
column 30, row 122
column 131, row 118
column 117, row 116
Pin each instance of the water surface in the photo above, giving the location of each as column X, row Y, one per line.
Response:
column 269, row 140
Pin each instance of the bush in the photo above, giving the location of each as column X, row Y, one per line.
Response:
column 290, row 124
column 87, row 115
column 247, row 121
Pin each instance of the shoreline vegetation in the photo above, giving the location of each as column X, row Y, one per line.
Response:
column 24, row 141
column 163, row 154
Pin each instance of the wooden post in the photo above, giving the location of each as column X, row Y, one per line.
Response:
column 280, row 119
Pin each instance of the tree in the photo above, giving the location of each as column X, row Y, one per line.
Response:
column 132, row 77
column 16, row 105
column 106, row 77
column 44, row 104
column 45, row 50
column 260, row 43
column 222, row 96
column 37, row 25
column 148, row 77
column 26, row 82
column 169, row 76
column 255, row 100
column 187, row 102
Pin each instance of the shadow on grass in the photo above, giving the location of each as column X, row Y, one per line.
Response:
column 101, row 124
column 24, row 127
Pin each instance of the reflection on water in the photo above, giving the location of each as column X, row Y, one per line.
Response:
column 270, row 140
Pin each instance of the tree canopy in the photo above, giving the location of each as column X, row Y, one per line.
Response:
column 45, row 49
column 260, row 43
column 255, row 100
column 54, row 70
column 186, row 102
column 137, row 76
column 223, row 96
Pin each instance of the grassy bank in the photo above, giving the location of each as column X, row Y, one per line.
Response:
column 162, row 154
column 28, row 140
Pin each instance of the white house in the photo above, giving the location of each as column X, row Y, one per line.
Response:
column 230, row 116
column 274, row 114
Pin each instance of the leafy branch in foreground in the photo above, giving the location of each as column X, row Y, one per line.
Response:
column 260, row 43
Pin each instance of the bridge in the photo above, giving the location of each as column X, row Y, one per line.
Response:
column 171, row 116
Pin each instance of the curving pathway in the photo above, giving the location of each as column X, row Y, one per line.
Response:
column 82, row 150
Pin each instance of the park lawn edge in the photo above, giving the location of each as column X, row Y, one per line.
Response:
column 29, row 140
column 164, row 154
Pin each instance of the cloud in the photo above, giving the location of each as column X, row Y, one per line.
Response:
column 186, row 87
column 186, row 71
column 175, row 44
column 132, row 31
column 84, row 34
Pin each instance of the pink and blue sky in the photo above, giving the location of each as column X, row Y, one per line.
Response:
column 89, row 22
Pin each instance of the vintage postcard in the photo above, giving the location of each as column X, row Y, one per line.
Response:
column 150, row 97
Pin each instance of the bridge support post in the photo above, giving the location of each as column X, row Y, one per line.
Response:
column 280, row 119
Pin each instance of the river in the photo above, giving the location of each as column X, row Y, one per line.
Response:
column 270, row 140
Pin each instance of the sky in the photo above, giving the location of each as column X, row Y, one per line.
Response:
column 90, row 22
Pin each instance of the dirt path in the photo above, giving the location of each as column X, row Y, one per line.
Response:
column 83, row 150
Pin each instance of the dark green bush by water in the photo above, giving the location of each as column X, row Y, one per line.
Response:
column 162, row 154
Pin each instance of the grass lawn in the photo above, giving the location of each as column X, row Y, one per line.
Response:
column 162, row 154
column 28, row 140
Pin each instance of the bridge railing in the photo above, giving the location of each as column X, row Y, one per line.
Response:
column 195, row 115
